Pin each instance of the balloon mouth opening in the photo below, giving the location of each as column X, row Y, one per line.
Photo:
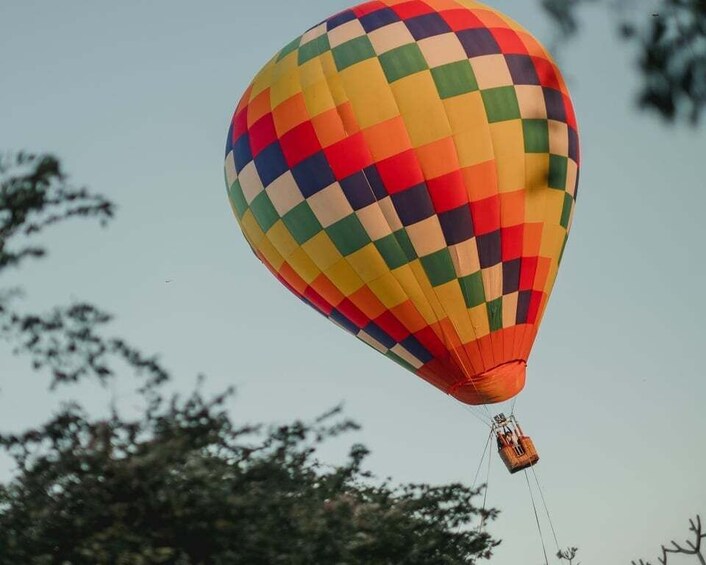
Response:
column 495, row 385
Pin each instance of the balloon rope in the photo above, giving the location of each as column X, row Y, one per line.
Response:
column 480, row 463
column 546, row 509
column 485, row 492
column 536, row 517
column 478, row 416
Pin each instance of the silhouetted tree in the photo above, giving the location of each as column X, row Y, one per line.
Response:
column 181, row 484
column 671, row 42
column 68, row 341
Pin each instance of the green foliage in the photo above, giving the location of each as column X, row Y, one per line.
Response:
column 181, row 484
column 34, row 195
column 671, row 44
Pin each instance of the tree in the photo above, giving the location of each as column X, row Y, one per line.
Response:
column 690, row 547
column 181, row 484
column 35, row 195
column 671, row 43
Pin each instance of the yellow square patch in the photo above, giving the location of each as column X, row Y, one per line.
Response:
column 509, row 149
column 368, row 263
column 281, row 239
column 369, row 93
column 344, row 277
column 303, row 265
column 252, row 230
column 421, row 108
column 322, row 251
column 285, row 86
column 318, row 98
column 388, row 290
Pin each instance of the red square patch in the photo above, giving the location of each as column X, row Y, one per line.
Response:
column 353, row 313
column 392, row 326
column 348, row 156
column 486, row 215
column 528, row 271
column 240, row 123
column 570, row 113
column 299, row 143
column 448, row 191
column 534, row 305
column 431, row 341
column 546, row 72
column 368, row 8
column 400, row 171
column 510, row 43
column 511, row 240
column 262, row 134
column 461, row 19
column 318, row 301
column 412, row 9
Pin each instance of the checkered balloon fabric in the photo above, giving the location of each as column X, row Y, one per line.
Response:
column 409, row 168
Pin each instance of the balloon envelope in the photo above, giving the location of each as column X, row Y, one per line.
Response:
column 409, row 169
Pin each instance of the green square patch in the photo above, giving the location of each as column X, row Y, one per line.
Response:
column 352, row 52
column 397, row 359
column 402, row 61
column 264, row 211
column 563, row 247
column 313, row 49
column 566, row 210
column 439, row 267
column 404, row 242
column 536, row 134
column 495, row 314
column 472, row 289
column 348, row 235
column 391, row 251
column 289, row 48
column 454, row 79
column 237, row 198
column 501, row 104
column 558, row 166
column 302, row 223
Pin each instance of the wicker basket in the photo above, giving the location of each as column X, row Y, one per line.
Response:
column 519, row 456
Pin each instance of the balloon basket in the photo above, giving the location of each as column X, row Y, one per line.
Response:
column 516, row 449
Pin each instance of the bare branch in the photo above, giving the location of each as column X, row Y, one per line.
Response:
column 568, row 554
column 693, row 547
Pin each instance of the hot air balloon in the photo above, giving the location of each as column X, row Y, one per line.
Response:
column 409, row 169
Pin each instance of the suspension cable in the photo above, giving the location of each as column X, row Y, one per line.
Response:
column 485, row 493
column 536, row 517
column 476, row 415
column 480, row 463
column 546, row 509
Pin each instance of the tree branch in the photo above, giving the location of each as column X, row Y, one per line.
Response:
column 67, row 341
column 35, row 194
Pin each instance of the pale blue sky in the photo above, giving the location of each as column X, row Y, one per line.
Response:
column 136, row 97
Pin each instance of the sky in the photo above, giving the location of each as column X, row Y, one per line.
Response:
column 136, row 98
